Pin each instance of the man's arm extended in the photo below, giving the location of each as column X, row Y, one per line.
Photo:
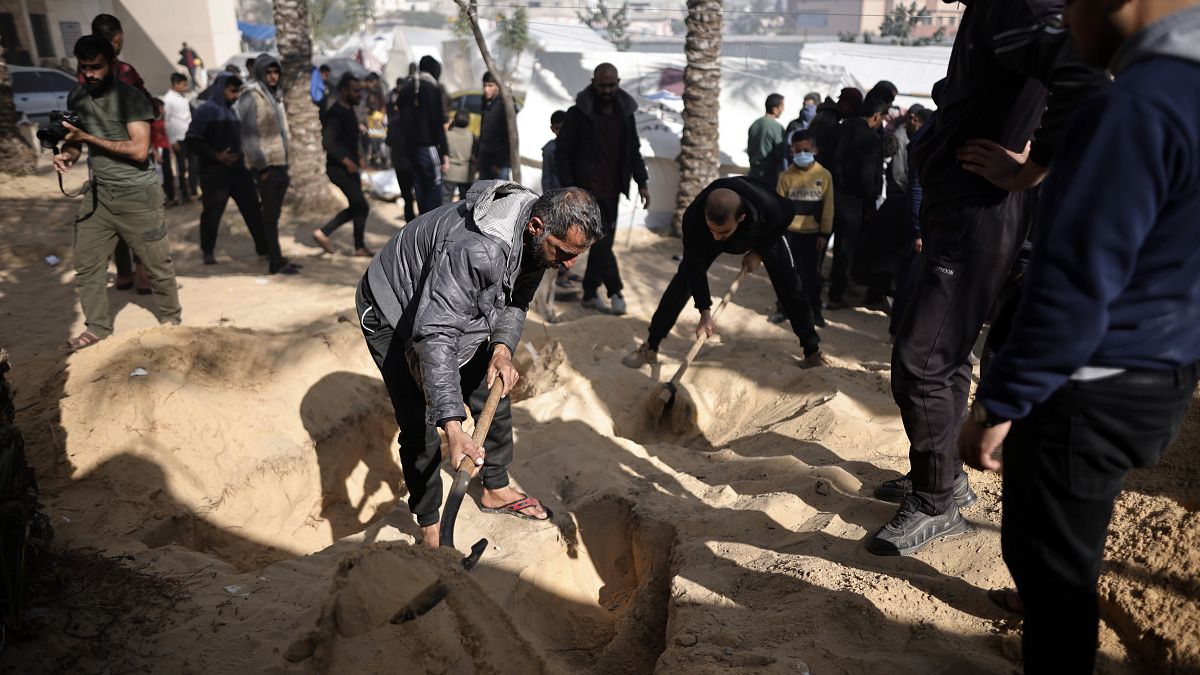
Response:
column 136, row 149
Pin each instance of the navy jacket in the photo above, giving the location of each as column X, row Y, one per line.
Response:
column 1115, row 276
column 215, row 127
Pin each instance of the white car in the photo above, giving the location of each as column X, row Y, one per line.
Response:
column 37, row 91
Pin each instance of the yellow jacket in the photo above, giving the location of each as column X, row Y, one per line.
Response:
column 811, row 192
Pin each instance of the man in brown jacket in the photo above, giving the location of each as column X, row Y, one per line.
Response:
column 265, row 144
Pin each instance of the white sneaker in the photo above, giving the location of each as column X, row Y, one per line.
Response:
column 596, row 303
column 618, row 304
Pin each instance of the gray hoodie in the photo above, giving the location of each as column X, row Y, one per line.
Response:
column 1177, row 35
column 451, row 280
column 264, row 122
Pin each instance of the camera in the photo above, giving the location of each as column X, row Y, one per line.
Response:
column 55, row 132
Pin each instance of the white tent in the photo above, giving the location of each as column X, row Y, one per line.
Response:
column 655, row 81
column 913, row 70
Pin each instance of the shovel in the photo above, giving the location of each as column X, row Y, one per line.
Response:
column 433, row 594
column 666, row 397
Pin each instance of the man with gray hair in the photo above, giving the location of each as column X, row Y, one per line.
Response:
column 442, row 307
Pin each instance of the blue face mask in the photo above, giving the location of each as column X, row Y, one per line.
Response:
column 810, row 108
column 803, row 160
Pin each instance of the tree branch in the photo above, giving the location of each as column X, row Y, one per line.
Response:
column 510, row 109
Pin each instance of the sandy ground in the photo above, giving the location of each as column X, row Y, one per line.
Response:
column 246, row 506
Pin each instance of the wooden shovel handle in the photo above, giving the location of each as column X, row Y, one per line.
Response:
column 687, row 360
column 484, row 421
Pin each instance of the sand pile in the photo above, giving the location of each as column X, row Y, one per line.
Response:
column 252, row 471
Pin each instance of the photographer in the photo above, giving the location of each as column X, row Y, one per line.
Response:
column 126, row 199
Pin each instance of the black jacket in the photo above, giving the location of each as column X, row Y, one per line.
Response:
column 421, row 109
column 1005, row 52
column 767, row 218
column 339, row 134
column 576, row 151
column 492, row 149
column 853, row 154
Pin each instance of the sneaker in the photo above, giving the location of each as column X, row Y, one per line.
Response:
column 834, row 305
column 897, row 489
column 640, row 357
column 618, row 304
column 777, row 318
column 910, row 529
column 596, row 303
column 815, row 360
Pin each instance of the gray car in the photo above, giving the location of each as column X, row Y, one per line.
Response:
column 37, row 91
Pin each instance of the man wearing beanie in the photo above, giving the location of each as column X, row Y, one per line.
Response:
column 422, row 112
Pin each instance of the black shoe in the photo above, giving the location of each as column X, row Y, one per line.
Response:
column 818, row 321
column 911, row 529
column 897, row 489
column 836, row 304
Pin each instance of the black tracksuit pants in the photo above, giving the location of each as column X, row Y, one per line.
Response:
column 1064, row 465
column 272, row 188
column 968, row 253
column 358, row 208
column 807, row 259
column 219, row 184
column 420, row 446
column 777, row 259
column 602, row 268
column 850, row 216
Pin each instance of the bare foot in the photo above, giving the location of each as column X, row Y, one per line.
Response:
column 431, row 536
column 323, row 241
column 494, row 499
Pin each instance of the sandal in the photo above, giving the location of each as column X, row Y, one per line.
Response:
column 1008, row 600
column 123, row 284
column 515, row 508
column 85, row 339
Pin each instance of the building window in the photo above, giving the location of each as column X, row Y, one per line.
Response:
column 41, row 35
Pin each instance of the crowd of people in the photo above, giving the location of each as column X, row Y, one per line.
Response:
column 1042, row 197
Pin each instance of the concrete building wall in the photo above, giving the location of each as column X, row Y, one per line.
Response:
column 154, row 31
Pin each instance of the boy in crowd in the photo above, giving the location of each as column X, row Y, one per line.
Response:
column 461, row 142
column 809, row 186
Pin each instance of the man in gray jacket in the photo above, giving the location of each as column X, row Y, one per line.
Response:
column 265, row 144
column 442, row 307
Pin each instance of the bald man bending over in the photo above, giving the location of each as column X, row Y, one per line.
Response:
column 740, row 216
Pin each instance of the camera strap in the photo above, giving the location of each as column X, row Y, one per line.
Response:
column 89, row 186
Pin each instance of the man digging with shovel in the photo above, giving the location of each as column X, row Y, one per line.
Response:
column 740, row 216
column 442, row 307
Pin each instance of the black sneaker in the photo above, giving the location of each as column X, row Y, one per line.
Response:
column 897, row 489
column 818, row 320
column 910, row 529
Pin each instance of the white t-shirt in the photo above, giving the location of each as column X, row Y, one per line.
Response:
column 177, row 114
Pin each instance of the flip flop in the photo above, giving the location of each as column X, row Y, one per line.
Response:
column 1003, row 598
column 83, row 340
column 514, row 509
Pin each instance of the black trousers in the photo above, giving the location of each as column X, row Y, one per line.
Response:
column 602, row 265
column 1064, row 465
column 404, row 178
column 272, row 188
column 219, row 184
column 357, row 209
column 420, row 446
column 850, row 216
column 193, row 173
column 968, row 253
column 777, row 259
column 808, row 258
column 907, row 269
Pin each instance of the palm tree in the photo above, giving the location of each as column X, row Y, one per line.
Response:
column 17, row 156
column 310, row 188
column 700, row 152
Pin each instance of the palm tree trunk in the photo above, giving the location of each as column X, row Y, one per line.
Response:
column 17, row 156
column 700, row 151
column 468, row 8
column 310, row 187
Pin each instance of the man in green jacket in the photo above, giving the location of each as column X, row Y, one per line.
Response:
column 765, row 142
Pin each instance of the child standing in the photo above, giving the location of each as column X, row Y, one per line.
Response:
column 810, row 187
